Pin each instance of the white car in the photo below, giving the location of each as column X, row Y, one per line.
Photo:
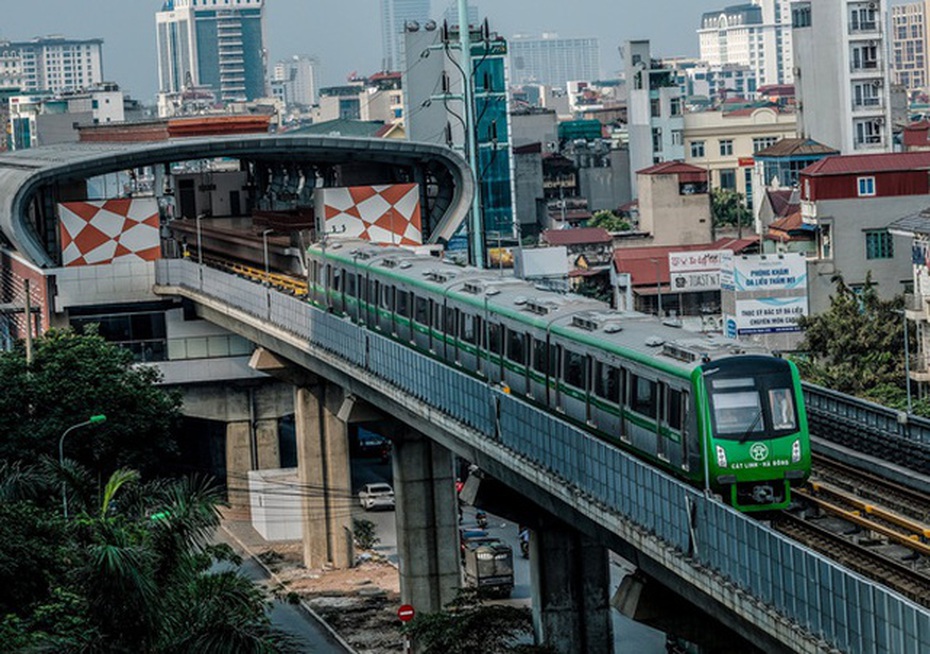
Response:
column 376, row 496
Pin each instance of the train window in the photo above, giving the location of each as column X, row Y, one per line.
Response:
column 337, row 281
column 450, row 321
column 782, row 405
column 351, row 287
column 403, row 303
column 467, row 328
column 437, row 316
column 421, row 310
column 516, row 346
column 494, row 338
column 673, row 413
column 738, row 413
column 540, row 356
column 607, row 382
column 574, row 369
column 643, row 398
column 387, row 297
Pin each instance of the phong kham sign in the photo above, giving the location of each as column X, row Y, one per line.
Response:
column 698, row 270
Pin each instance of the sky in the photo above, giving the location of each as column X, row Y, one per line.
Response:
column 345, row 35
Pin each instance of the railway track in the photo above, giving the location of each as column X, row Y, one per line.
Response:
column 901, row 576
column 868, row 524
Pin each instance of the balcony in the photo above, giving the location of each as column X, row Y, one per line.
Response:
column 863, row 27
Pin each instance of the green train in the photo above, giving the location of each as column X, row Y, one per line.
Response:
column 699, row 406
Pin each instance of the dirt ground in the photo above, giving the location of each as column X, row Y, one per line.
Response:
column 360, row 604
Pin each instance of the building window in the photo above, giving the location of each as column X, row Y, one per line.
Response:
column 726, row 147
column 655, row 108
column 879, row 244
column 675, row 106
column 657, row 139
column 866, row 186
column 697, row 149
column 728, row 179
column 761, row 143
column 677, row 137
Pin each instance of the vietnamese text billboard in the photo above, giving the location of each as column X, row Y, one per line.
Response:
column 698, row 270
column 766, row 316
column 780, row 272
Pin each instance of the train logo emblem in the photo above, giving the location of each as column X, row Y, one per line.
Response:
column 759, row 452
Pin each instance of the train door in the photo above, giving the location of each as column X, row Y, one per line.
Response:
column 374, row 298
column 495, row 352
column 540, row 371
column 420, row 336
column 515, row 374
column 662, row 437
column 468, row 336
column 573, row 392
column 605, row 399
column 402, row 324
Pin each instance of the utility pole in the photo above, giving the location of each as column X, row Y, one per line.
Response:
column 471, row 141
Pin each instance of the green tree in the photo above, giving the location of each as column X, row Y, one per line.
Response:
column 857, row 346
column 729, row 208
column 71, row 378
column 133, row 574
column 609, row 221
column 469, row 625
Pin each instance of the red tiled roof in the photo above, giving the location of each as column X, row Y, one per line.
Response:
column 577, row 236
column 641, row 262
column 776, row 89
column 917, row 133
column 670, row 168
column 781, row 229
column 780, row 201
column 860, row 164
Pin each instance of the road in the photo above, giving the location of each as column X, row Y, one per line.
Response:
column 307, row 632
column 629, row 636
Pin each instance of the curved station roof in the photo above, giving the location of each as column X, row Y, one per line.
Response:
column 24, row 174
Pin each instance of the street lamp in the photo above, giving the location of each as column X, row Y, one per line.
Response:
column 907, row 362
column 93, row 420
column 658, row 287
column 265, row 254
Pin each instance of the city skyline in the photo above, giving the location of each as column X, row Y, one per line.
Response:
column 349, row 37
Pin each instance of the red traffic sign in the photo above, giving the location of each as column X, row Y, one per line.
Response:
column 405, row 613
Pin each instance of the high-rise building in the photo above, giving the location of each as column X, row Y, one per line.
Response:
column 841, row 74
column 757, row 35
column 451, row 15
column 430, row 120
column 212, row 43
column 552, row 60
column 910, row 36
column 296, row 81
column 52, row 63
column 655, row 109
column 395, row 14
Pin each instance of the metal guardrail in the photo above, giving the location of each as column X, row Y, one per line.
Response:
column 870, row 428
column 827, row 601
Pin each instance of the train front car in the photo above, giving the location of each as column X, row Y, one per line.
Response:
column 755, row 430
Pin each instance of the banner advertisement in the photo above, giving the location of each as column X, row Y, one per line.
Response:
column 763, row 272
column 767, row 316
column 698, row 270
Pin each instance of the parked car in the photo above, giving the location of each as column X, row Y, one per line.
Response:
column 376, row 496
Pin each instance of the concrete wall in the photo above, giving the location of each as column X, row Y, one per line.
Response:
column 275, row 499
column 607, row 188
column 528, row 185
column 848, row 220
column 672, row 218
column 535, row 127
column 105, row 284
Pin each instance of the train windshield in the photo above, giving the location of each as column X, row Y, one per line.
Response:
column 760, row 406
column 737, row 407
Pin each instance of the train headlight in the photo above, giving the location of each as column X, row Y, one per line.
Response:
column 796, row 451
column 721, row 457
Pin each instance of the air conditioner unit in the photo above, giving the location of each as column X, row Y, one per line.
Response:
column 877, row 83
column 880, row 120
column 873, row 5
column 873, row 43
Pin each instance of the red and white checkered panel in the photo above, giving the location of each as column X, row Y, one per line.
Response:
column 100, row 232
column 387, row 214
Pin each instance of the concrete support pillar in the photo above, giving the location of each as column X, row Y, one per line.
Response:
column 323, row 472
column 570, row 579
column 266, row 444
column 427, row 523
column 238, row 463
